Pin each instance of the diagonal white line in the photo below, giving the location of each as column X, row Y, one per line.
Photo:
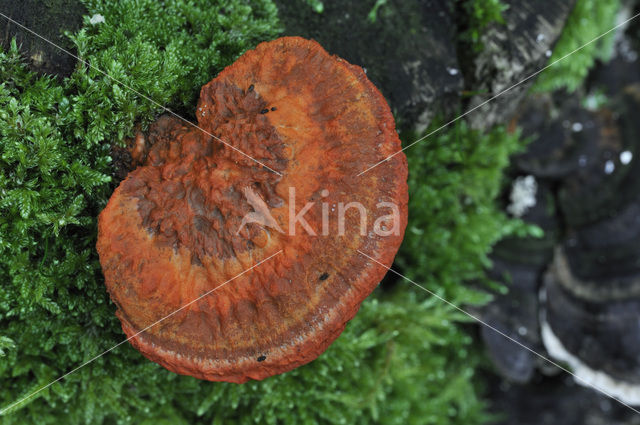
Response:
column 2, row 411
column 499, row 94
column 501, row 333
column 140, row 94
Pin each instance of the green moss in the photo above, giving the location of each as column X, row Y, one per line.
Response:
column 316, row 5
column 373, row 14
column 480, row 14
column 588, row 20
column 404, row 359
column 455, row 177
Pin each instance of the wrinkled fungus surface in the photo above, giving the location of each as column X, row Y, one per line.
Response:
column 173, row 230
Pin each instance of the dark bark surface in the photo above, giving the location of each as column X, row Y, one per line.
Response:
column 50, row 19
column 555, row 400
column 408, row 49
column 512, row 52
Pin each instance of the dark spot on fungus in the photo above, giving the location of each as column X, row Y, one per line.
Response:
column 250, row 89
column 195, row 260
column 264, row 111
column 262, row 358
column 324, row 276
column 273, row 108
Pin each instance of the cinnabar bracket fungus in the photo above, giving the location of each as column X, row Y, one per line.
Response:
column 188, row 219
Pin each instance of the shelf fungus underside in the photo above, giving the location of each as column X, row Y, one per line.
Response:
column 181, row 234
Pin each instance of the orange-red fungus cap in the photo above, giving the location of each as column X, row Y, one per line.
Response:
column 197, row 213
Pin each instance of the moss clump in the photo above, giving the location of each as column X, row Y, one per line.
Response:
column 479, row 15
column 404, row 359
column 454, row 179
column 588, row 20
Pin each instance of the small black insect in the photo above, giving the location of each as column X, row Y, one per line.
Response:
column 262, row 358
column 324, row 276
column 273, row 108
column 250, row 88
column 264, row 111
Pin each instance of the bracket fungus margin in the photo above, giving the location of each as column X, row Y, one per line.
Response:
column 176, row 227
